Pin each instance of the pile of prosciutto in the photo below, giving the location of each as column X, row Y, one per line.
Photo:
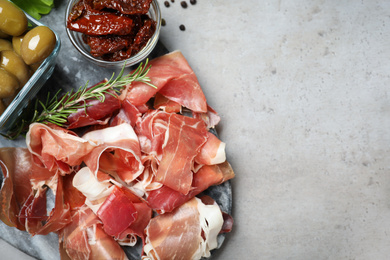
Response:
column 134, row 174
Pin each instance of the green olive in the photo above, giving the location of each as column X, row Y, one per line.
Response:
column 8, row 84
column 3, row 35
column 35, row 66
column 5, row 45
column 37, row 45
column 14, row 64
column 12, row 19
column 17, row 42
column 2, row 107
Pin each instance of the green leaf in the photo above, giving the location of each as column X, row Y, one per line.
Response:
column 35, row 8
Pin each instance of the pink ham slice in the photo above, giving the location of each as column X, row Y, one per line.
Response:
column 166, row 199
column 188, row 232
column 23, row 197
column 212, row 152
column 127, row 114
column 117, row 152
column 95, row 111
column 174, row 79
column 175, row 235
column 56, row 148
column 165, row 104
column 117, row 213
column 183, row 140
column 85, row 239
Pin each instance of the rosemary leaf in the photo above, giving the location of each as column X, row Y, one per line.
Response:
column 57, row 111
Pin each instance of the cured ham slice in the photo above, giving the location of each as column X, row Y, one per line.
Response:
column 36, row 220
column 117, row 213
column 56, row 148
column 174, row 79
column 211, row 117
column 23, row 196
column 165, row 104
column 166, row 199
column 128, row 114
column 85, row 239
column 151, row 132
column 137, row 227
column 95, row 191
column 95, row 111
column 212, row 152
column 117, row 152
column 189, row 232
column 183, row 140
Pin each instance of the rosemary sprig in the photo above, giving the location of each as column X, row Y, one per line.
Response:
column 57, row 111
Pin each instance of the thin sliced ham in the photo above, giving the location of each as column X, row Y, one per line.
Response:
column 166, row 199
column 23, row 194
column 174, row 79
column 128, row 114
column 56, row 148
column 189, row 232
column 117, row 212
column 96, row 111
column 85, row 239
column 165, row 104
column 135, row 173
column 117, row 152
column 183, row 140
column 211, row 117
column 212, row 152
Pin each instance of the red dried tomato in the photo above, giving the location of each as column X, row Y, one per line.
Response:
column 113, row 29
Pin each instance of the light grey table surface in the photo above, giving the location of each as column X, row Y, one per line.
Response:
column 303, row 91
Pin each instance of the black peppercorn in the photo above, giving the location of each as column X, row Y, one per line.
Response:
column 166, row 3
column 182, row 27
column 183, row 4
column 193, row 2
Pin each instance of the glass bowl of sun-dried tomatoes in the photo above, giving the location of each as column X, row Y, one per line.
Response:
column 113, row 33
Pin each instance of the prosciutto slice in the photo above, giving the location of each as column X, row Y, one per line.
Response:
column 95, row 111
column 56, row 148
column 189, row 232
column 212, row 152
column 117, row 152
column 174, row 79
column 183, row 140
column 23, row 194
column 117, row 213
column 166, row 199
column 85, row 239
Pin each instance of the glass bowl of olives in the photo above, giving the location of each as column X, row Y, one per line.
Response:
column 28, row 51
column 113, row 36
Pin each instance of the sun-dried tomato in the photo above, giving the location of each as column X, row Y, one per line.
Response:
column 105, row 45
column 124, row 6
column 113, row 29
column 144, row 34
column 102, row 25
